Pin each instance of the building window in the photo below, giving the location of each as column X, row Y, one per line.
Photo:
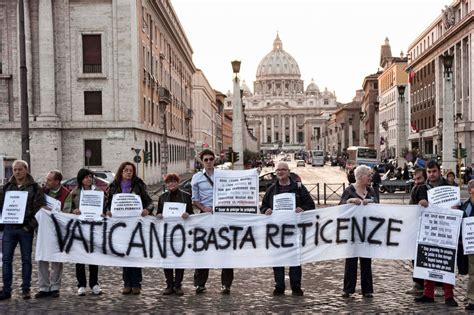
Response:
column 93, row 152
column 92, row 103
column 91, row 54
column 326, row 101
column 155, row 152
column 300, row 137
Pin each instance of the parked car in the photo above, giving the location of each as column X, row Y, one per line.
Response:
column 300, row 163
column 185, row 185
column 267, row 179
column 269, row 162
column 100, row 183
column 107, row 175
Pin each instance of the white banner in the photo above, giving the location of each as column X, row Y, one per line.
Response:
column 14, row 207
column 230, row 240
column 444, row 196
column 468, row 235
column 437, row 244
column 52, row 203
column 126, row 205
column 173, row 209
column 236, row 191
column 91, row 204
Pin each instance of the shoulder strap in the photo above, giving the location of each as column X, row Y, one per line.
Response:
column 209, row 179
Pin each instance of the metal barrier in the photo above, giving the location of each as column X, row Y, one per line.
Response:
column 334, row 189
column 311, row 188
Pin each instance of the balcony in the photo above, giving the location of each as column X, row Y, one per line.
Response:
column 91, row 68
column 164, row 96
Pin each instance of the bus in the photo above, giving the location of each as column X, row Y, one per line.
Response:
column 317, row 157
column 360, row 156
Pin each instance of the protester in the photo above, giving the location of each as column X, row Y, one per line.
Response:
column 451, row 178
column 350, row 177
column 376, row 180
column 127, row 181
column 20, row 233
column 406, row 172
column 286, row 184
column 174, row 194
column 435, row 179
column 359, row 193
column 84, row 182
column 50, row 283
column 202, row 195
column 468, row 208
column 418, row 192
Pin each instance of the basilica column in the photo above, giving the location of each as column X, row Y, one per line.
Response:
column 260, row 126
column 264, row 129
column 283, row 135
column 290, row 120
column 46, row 60
column 272, row 120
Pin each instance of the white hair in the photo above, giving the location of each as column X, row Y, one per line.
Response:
column 22, row 162
column 361, row 170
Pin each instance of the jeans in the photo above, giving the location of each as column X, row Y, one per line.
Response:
column 174, row 281
column 132, row 277
column 11, row 237
column 81, row 275
column 295, row 277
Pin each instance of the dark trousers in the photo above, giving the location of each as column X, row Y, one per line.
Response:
column 132, row 277
column 81, row 275
column 201, row 275
column 174, row 280
column 11, row 237
column 295, row 277
column 350, row 275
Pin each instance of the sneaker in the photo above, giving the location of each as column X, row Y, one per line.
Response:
column 136, row 290
column 42, row 294
column 278, row 291
column 5, row 295
column 126, row 291
column 26, row 295
column 469, row 307
column 200, row 289
column 451, row 302
column 225, row 290
column 424, row 299
column 439, row 291
column 55, row 293
column 96, row 290
column 178, row 291
column 415, row 290
column 168, row 291
column 297, row 292
column 81, row 291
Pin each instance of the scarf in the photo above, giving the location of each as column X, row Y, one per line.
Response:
column 126, row 186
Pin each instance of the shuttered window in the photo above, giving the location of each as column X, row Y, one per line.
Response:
column 92, row 103
column 93, row 152
column 91, row 53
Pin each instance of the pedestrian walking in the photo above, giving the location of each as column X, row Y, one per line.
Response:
column 174, row 277
column 285, row 184
column 14, row 234
column 359, row 193
column 50, row 282
column 202, row 196
column 127, row 181
column 84, row 181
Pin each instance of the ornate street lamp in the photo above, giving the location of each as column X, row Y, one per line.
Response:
column 448, row 63
column 401, row 91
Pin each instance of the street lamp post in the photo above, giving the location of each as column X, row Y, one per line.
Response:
column 376, row 130
column 439, row 129
column 237, row 122
column 351, row 140
column 402, row 124
column 449, row 162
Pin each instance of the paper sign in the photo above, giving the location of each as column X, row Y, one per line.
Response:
column 173, row 209
column 52, row 203
column 468, row 235
column 14, row 207
column 444, row 196
column 91, row 204
column 126, row 205
column 286, row 201
column 236, row 191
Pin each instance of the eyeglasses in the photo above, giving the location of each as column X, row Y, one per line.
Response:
column 209, row 159
column 125, row 170
column 281, row 169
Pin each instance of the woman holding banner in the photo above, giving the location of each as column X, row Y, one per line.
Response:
column 174, row 195
column 359, row 193
column 127, row 181
column 84, row 182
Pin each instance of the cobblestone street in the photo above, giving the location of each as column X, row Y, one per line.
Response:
column 251, row 292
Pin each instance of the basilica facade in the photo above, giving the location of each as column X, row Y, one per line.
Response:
column 280, row 113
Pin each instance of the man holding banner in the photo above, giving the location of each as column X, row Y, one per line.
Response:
column 21, row 198
column 50, row 283
column 468, row 208
column 300, row 200
column 202, row 195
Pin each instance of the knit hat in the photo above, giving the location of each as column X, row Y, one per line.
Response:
column 83, row 172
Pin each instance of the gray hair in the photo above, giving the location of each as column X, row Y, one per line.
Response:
column 470, row 184
column 361, row 170
column 22, row 162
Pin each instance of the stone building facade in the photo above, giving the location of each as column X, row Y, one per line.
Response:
column 103, row 77
column 280, row 113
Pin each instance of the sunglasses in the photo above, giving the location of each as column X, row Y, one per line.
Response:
column 209, row 159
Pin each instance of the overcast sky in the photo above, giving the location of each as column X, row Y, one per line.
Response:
column 336, row 42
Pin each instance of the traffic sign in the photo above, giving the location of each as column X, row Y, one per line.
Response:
column 137, row 159
column 88, row 153
column 137, row 152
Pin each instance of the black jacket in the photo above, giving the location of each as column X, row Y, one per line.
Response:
column 138, row 188
column 178, row 196
column 35, row 201
column 350, row 192
column 303, row 198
